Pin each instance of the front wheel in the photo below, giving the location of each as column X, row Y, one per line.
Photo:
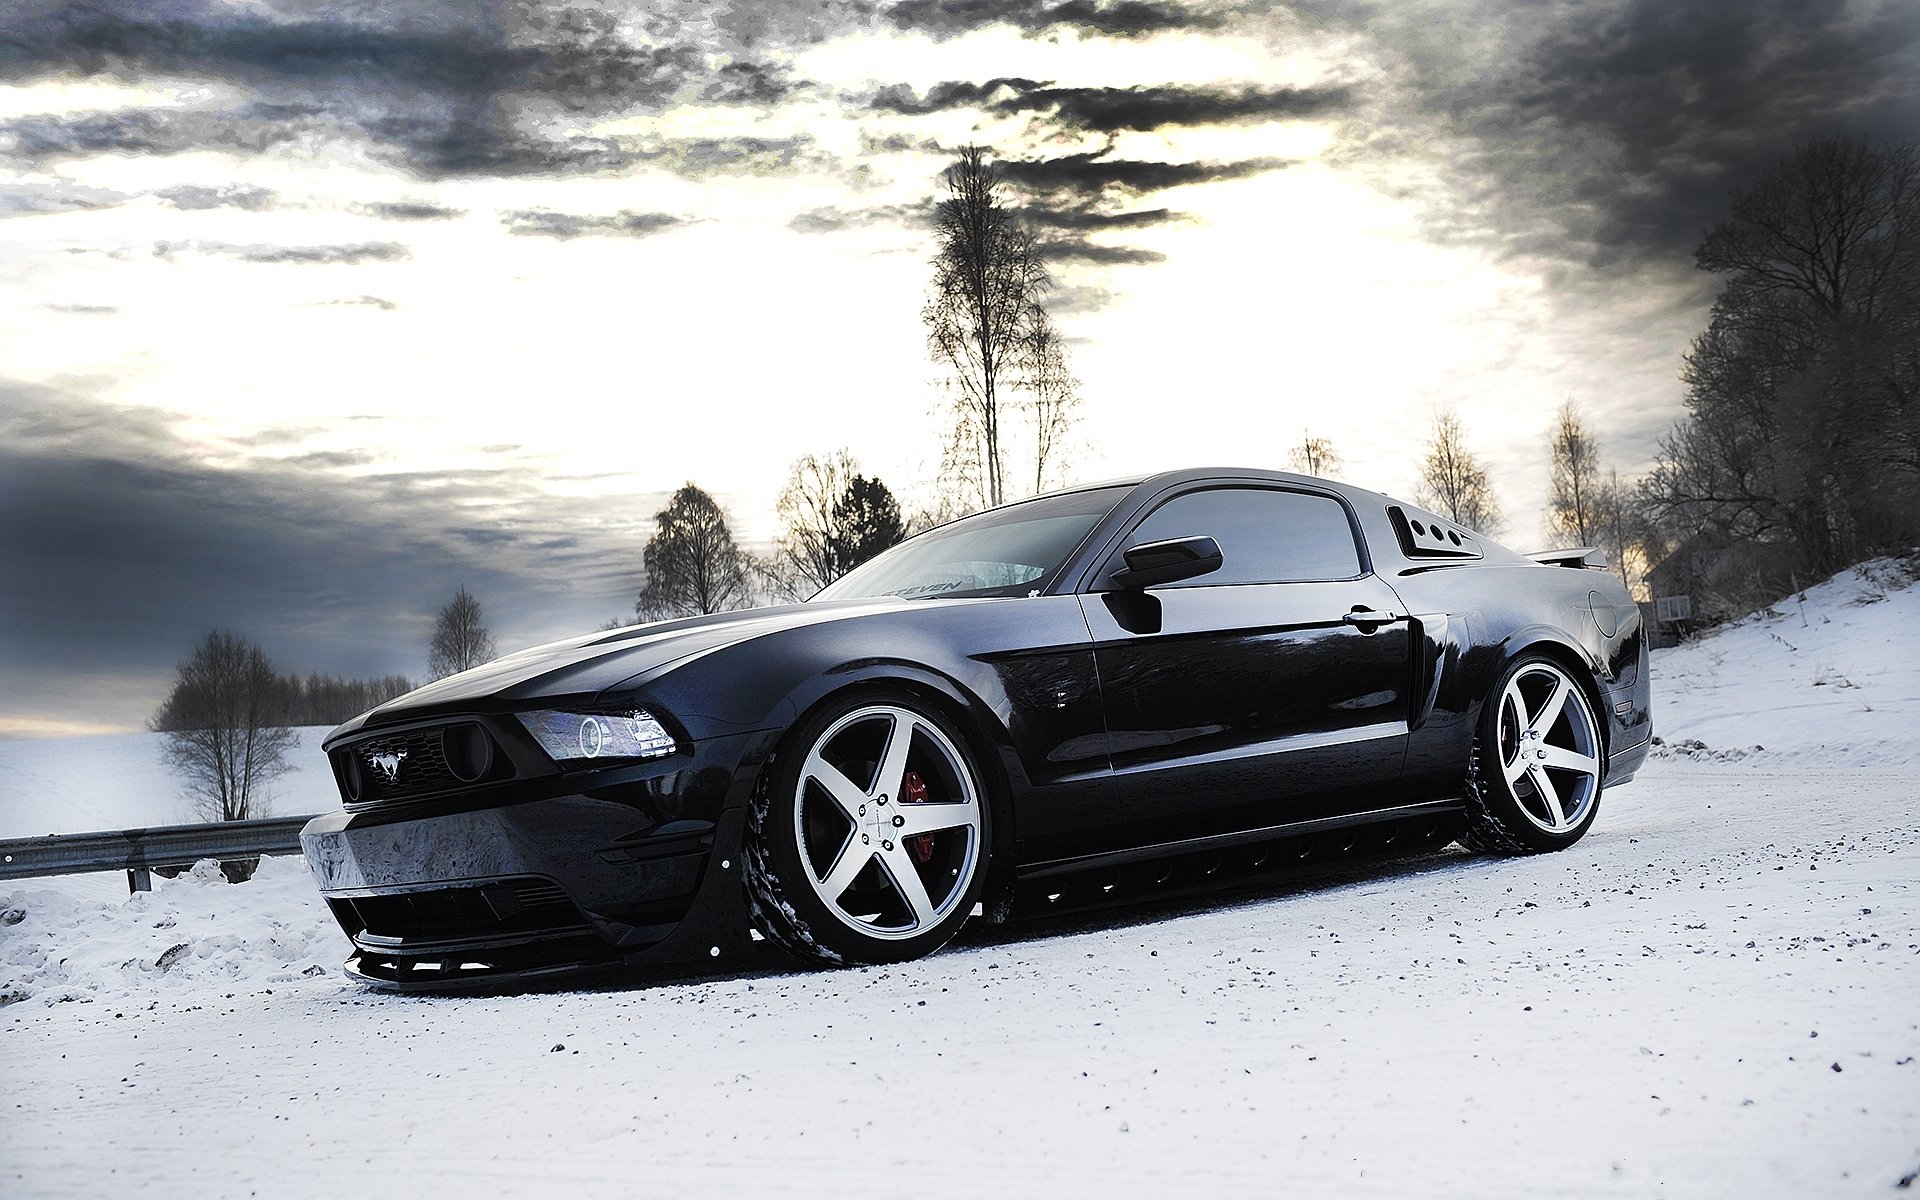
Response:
column 1534, row 784
column 868, row 842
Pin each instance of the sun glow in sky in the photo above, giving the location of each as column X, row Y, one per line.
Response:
column 311, row 312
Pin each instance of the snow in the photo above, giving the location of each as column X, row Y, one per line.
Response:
column 1831, row 676
column 1716, row 993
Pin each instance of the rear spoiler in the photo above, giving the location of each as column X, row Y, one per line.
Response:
column 1578, row 557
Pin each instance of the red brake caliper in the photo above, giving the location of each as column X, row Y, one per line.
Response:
column 913, row 790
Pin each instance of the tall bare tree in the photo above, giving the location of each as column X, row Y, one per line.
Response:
column 693, row 565
column 981, row 319
column 226, row 728
column 1452, row 481
column 1574, row 496
column 1314, row 455
column 461, row 640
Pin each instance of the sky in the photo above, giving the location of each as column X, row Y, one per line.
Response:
column 312, row 312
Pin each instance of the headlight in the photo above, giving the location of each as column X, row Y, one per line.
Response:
column 570, row 736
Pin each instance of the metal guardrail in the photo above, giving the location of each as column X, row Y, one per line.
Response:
column 137, row 851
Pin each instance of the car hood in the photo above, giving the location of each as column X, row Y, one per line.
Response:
column 592, row 663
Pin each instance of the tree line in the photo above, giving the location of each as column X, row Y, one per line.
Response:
column 1799, row 451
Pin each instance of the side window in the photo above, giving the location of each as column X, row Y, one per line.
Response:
column 1265, row 535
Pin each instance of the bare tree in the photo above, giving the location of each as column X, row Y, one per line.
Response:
column 1574, row 497
column 1621, row 530
column 1053, row 400
column 807, row 556
column 981, row 317
column 693, row 565
column 834, row 519
column 1452, row 481
column 1803, row 393
column 1314, row 456
column 460, row 638
column 226, row 728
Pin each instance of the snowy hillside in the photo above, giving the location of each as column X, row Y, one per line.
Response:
column 1716, row 993
column 1829, row 677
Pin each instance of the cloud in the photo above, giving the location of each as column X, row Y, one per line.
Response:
column 1073, row 249
column 942, row 97
column 123, row 546
column 832, row 219
column 83, row 310
column 378, row 302
column 437, row 90
column 189, row 196
column 1096, row 174
column 410, row 210
column 1110, row 110
column 358, row 252
column 1114, row 109
column 625, row 223
column 1116, row 18
column 1612, row 131
column 41, row 199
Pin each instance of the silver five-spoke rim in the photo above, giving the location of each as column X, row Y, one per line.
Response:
column 887, row 818
column 1549, row 748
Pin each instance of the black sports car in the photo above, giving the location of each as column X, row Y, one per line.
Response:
column 1140, row 685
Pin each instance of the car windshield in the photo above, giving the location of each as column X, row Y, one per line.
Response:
column 1004, row 552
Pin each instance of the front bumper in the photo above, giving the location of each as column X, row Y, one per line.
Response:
column 590, row 872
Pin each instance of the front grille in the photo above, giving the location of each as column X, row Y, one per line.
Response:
column 417, row 762
column 511, row 906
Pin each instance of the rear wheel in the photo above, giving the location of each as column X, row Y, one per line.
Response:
column 868, row 842
column 1534, row 783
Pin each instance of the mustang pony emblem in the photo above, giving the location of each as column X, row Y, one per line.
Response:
column 389, row 764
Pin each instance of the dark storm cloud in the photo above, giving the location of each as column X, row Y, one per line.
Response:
column 1612, row 131
column 943, row 97
column 358, row 252
column 1116, row 18
column 569, row 225
column 189, row 196
column 1095, row 173
column 1109, row 110
column 1113, row 109
column 1088, row 220
column 438, row 90
column 410, row 210
column 122, row 548
column 1085, row 250
column 748, row 83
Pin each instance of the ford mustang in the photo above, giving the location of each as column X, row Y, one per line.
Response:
column 1119, row 689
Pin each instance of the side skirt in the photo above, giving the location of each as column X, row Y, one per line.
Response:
column 1201, row 864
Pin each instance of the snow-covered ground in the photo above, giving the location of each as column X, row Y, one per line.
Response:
column 1829, row 677
column 1716, row 993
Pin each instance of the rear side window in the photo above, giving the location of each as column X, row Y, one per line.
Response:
column 1265, row 535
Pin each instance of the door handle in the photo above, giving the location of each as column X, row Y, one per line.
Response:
column 1364, row 617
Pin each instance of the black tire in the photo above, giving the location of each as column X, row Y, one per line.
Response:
column 1535, row 778
column 856, row 856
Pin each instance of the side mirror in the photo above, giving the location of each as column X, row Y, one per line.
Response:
column 1168, row 561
